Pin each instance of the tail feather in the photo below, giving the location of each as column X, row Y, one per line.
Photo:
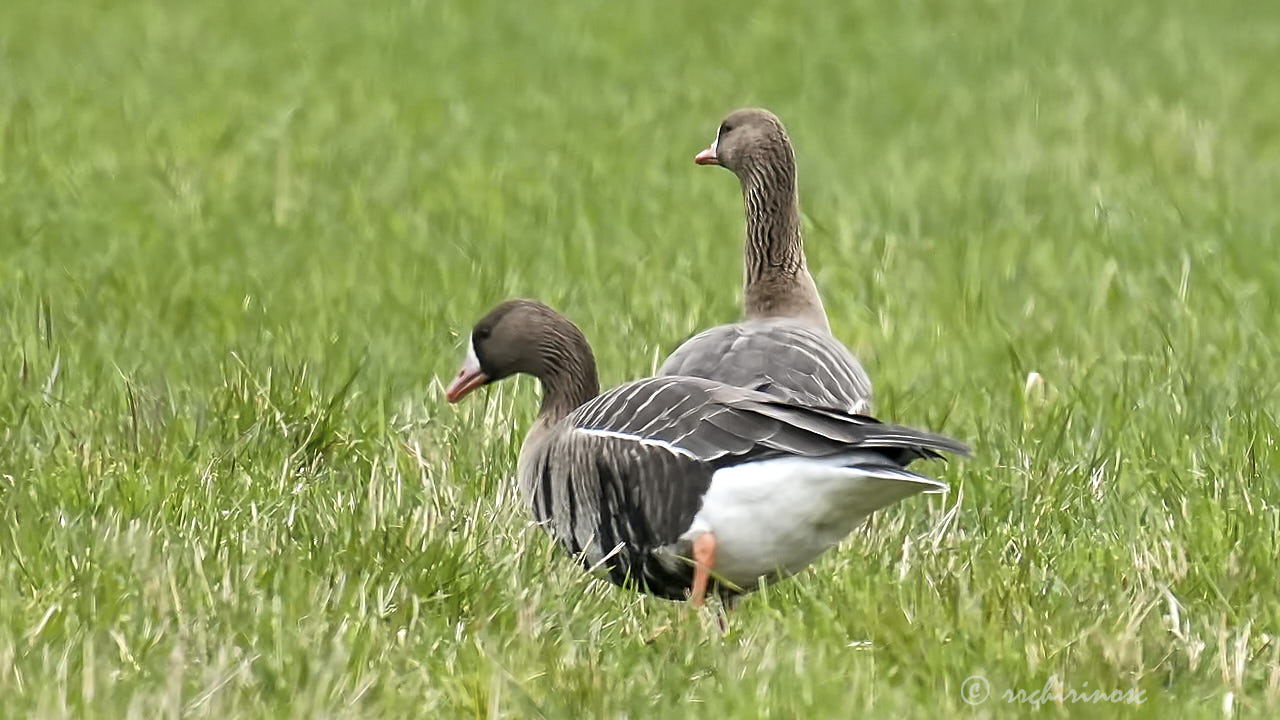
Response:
column 864, row 430
column 898, row 473
column 874, row 486
column 870, row 464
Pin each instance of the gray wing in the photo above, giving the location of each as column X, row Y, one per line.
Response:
column 622, row 477
column 783, row 358
column 723, row 425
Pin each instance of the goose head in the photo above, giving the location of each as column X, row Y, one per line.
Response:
column 525, row 336
column 747, row 139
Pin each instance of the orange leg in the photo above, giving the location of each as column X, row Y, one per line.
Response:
column 704, row 558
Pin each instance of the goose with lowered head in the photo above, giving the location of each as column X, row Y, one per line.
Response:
column 681, row 485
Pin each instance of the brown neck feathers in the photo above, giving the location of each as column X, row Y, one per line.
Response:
column 567, row 370
column 778, row 283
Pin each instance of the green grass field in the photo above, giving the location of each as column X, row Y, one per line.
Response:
column 240, row 244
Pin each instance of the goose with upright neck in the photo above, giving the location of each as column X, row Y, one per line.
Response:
column 784, row 345
column 680, row 486
column 754, row 145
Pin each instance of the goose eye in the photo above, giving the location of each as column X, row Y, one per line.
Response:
column 724, row 130
column 482, row 333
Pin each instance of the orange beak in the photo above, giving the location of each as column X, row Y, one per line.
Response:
column 469, row 377
column 707, row 157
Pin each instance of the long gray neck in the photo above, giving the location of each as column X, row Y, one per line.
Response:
column 778, row 283
column 565, row 367
column 567, row 371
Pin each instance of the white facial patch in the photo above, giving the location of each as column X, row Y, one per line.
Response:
column 471, row 364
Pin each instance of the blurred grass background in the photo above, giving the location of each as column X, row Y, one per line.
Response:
column 240, row 243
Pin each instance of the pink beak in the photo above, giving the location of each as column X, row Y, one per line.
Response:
column 707, row 157
column 469, row 377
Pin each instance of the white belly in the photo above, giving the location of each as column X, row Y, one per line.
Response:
column 776, row 517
